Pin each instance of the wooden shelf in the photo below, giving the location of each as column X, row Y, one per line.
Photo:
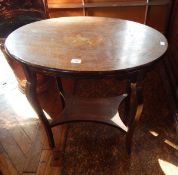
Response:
column 65, row 5
column 106, row 4
column 101, row 110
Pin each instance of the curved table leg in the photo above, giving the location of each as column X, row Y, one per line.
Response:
column 136, row 107
column 32, row 98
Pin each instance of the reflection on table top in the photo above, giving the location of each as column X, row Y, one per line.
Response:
column 86, row 44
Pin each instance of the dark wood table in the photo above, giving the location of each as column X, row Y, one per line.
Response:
column 88, row 47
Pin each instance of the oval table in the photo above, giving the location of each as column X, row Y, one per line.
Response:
column 88, row 47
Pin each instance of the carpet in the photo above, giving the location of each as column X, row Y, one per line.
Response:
column 96, row 149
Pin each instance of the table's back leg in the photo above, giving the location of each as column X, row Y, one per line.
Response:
column 136, row 107
column 127, row 102
column 61, row 91
column 32, row 98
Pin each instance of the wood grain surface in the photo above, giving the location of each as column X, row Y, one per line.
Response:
column 102, row 44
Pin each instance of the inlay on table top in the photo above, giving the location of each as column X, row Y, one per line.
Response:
column 87, row 44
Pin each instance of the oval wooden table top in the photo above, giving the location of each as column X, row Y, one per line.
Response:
column 86, row 44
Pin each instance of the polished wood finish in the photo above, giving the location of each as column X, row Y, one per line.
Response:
column 94, row 40
column 88, row 47
column 101, row 110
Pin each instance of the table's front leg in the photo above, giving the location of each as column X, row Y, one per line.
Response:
column 136, row 107
column 31, row 95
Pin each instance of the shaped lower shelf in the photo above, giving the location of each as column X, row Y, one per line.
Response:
column 101, row 110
